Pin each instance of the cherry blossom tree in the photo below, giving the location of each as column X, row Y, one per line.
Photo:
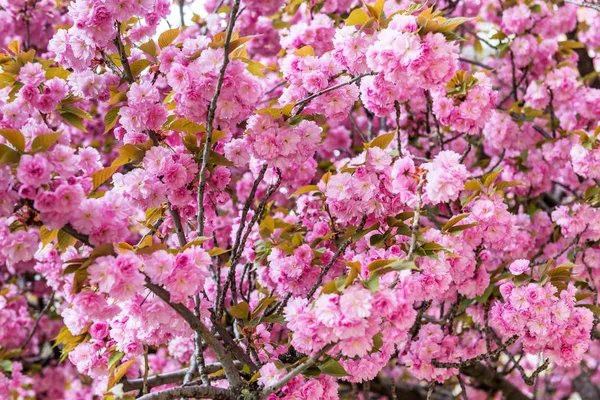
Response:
column 299, row 199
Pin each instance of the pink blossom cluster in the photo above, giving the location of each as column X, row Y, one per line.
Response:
column 350, row 321
column 308, row 75
column 166, row 174
column 95, row 24
column 195, row 81
column 445, row 177
column 545, row 322
column 324, row 387
column 38, row 93
column 317, row 33
column 586, row 162
column 468, row 114
column 278, row 143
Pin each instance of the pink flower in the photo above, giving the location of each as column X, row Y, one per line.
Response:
column 356, row 302
column 517, row 267
column 33, row 170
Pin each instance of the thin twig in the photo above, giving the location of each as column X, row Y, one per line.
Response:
column 302, row 103
column 37, row 322
column 337, row 254
column 210, row 118
column 296, row 371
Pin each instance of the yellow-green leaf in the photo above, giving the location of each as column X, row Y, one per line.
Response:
column 44, row 141
column 14, row 137
column 46, row 236
column 8, row 155
column 149, row 47
column 187, row 126
column 168, row 37
column 138, row 66
column 217, row 251
column 454, row 220
column 473, row 185
column 119, row 373
column 110, row 119
column 305, row 51
column 100, row 176
column 491, row 177
column 65, row 240
column 306, row 189
column 383, row 141
column 240, row 310
column 357, row 17
column 73, row 120
column 378, row 7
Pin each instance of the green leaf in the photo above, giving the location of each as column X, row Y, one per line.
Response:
column 357, row 17
column 486, row 294
column 110, row 119
column 114, row 358
column 14, row 137
column 6, row 365
column 73, row 120
column 167, row 37
column 334, row 368
column 239, row 311
column 44, row 141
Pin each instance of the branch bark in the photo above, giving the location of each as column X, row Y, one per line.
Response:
column 488, row 377
column 586, row 389
column 168, row 377
column 202, row 392
column 231, row 372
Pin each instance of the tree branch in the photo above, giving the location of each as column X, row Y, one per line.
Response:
column 296, row 371
column 211, row 341
column 490, row 378
column 168, row 377
column 201, row 392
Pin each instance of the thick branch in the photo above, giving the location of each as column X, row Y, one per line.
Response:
column 200, row 392
column 490, row 378
column 211, row 341
column 586, row 389
column 168, row 377
column 296, row 371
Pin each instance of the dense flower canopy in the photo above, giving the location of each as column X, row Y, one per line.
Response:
column 299, row 199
